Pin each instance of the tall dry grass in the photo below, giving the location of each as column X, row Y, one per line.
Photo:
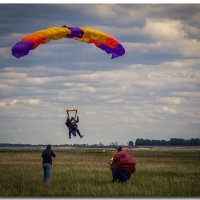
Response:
column 161, row 172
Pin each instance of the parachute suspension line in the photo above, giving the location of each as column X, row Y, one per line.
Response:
column 79, row 63
column 83, row 55
column 73, row 111
column 76, row 114
column 79, row 58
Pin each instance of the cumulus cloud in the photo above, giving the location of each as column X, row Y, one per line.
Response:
column 189, row 48
column 169, row 110
column 168, row 37
column 173, row 100
column 33, row 101
column 2, row 104
column 14, row 102
column 165, row 29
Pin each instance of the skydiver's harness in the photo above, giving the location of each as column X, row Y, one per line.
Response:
column 72, row 125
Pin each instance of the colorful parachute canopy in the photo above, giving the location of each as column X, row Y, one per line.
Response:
column 102, row 40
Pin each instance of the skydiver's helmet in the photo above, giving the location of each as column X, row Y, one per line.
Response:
column 73, row 119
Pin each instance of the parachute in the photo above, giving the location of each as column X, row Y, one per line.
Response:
column 102, row 40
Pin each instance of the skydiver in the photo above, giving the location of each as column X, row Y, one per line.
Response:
column 72, row 126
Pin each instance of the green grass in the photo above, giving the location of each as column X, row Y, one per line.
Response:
column 161, row 172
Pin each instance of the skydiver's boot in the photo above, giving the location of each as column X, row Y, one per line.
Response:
column 79, row 133
column 69, row 135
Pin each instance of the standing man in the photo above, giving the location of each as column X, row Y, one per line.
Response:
column 47, row 155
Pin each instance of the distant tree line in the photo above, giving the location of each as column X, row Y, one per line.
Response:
column 138, row 142
column 171, row 142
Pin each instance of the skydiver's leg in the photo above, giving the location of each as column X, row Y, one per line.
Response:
column 77, row 130
column 73, row 132
column 69, row 134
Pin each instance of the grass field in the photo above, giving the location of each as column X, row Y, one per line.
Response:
column 81, row 172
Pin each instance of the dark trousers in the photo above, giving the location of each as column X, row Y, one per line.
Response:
column 74, row 131
column 121, row 175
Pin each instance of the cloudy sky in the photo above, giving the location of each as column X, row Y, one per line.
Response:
column 151, row 92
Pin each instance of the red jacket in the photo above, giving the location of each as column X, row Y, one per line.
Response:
column 122, row 160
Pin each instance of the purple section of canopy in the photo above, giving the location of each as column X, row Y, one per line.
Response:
column 75, row 32
column 116, row 52
column 21, row 49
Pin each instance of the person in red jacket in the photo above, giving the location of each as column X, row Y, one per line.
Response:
column 122, row 165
